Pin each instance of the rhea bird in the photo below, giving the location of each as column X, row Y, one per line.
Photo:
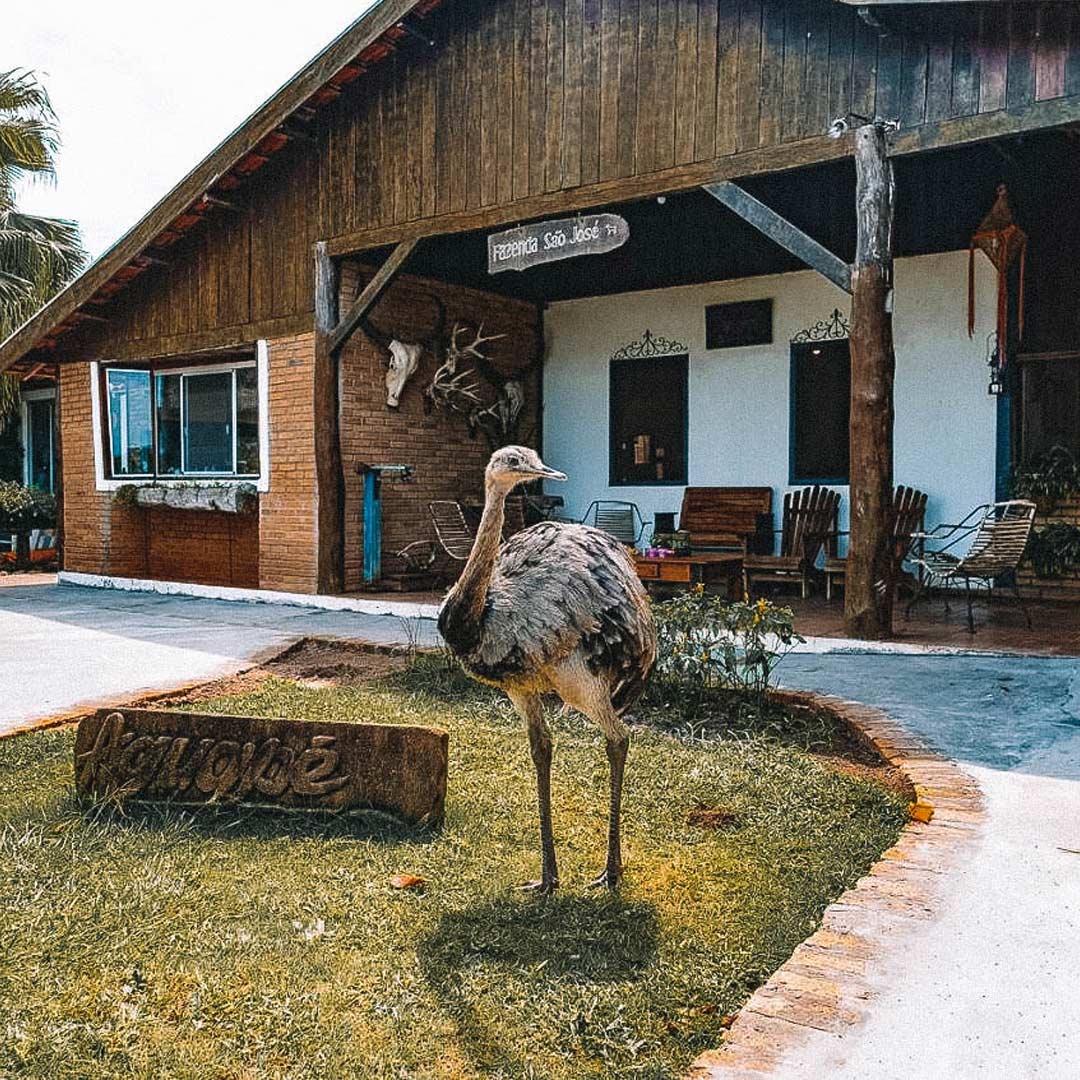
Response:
column 557, row 607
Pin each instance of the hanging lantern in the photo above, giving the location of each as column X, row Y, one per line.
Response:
column 1003, row 241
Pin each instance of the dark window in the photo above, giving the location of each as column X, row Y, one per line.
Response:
column 648, row 421
column 745, row 322
column 820, row 407
column 40, row 459
column 1051, row 409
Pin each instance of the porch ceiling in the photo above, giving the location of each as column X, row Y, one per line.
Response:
column 690, row 238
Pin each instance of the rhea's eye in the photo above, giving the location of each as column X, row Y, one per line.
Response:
column 514, row 462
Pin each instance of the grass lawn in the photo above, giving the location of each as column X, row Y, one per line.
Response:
column 234, row 943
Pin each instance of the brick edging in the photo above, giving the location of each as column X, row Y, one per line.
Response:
column 822, row 986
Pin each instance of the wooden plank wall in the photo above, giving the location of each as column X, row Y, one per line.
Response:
column 528, row 97
column 524, row 98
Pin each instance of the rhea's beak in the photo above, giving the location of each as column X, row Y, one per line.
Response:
column 550, row 474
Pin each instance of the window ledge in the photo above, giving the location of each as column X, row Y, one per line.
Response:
column 224, row 496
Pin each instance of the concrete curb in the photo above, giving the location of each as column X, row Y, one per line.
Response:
column 823, row 986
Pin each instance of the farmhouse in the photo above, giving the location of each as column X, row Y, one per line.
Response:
column 222, row 372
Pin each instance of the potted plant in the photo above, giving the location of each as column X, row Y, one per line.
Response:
column 1047, row 479
column 23, row 509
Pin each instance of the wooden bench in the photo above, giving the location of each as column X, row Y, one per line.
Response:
column 738, row 518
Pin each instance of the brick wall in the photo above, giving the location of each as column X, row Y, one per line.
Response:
column 101, row 537
column 448, row 463
column 288, row 527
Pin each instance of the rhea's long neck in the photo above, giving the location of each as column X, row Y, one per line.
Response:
column 472, row 587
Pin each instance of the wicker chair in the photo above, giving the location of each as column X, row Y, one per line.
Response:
column 909, row 517
column 809, row 524
column 999, row 534
column 622, row 520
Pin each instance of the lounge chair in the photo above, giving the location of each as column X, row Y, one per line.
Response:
column 454, row 535
column 999, row 534
column 809, row 524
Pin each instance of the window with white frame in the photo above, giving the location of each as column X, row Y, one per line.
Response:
column 198, row 421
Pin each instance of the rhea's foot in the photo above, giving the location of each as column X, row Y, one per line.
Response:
column 545, row 886
column 610, row 876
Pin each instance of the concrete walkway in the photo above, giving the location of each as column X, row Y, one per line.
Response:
column 66, row 647
column 988, row 989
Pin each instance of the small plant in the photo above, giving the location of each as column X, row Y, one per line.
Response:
column 25, row 508
column 126, row 495
column 1048, row 479
column 676, row 542
column 705, row 644
column 1055, row 550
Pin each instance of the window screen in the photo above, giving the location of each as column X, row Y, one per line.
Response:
column 820, row 410
column 1051, row 407
column 648, row 421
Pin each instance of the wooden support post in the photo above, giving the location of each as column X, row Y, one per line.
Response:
column 329, row 468
column 370, row 293
column 868, row 593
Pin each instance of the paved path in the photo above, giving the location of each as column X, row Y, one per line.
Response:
column 988, row 990
column 65, row 647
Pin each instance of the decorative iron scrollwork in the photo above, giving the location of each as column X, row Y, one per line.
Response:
column 835, row 328
column 650, row 346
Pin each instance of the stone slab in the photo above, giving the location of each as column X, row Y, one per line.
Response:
column 194, row 758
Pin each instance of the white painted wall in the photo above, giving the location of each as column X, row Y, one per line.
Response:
column 945, row 419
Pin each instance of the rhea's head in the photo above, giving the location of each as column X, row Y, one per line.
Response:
column 513, row 465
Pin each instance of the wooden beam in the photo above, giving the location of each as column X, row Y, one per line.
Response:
column 871, row 563
column 782, row 232
column 370, row 293
column 784, row 157
column 329, row 469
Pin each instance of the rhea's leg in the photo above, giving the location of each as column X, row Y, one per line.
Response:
column 540, row 745
column 618, row 745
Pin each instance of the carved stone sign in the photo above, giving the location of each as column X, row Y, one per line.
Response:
column 550, row 241
column 193, row 758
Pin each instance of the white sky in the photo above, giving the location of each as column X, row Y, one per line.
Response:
column 145, row 89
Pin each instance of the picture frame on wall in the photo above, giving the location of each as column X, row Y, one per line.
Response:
column 738, row 324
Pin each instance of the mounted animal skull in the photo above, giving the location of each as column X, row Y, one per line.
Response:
column 404, row 360
column 404, row 356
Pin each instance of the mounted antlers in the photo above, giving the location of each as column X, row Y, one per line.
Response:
column 453, row 389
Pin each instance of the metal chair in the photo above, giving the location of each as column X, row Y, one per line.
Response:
column 999, row 533
column 622, row 520
column 810, row 523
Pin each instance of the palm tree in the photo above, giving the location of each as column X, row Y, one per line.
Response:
column 38, row 255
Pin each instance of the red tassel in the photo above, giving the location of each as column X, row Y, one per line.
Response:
column 971, row 291
column 1020, row 299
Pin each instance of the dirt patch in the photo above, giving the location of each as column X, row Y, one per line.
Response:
column 713, row 817
column 313, row 662
column 860, row 764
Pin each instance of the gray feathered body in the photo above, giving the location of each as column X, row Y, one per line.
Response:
column 557, row 590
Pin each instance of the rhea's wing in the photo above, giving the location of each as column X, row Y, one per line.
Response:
column 560, row 587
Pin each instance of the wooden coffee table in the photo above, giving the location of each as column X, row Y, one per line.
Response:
column 703, row 568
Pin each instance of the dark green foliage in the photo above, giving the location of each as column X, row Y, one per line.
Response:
column 25, row 508
column 1048, row 479
column 705, row 644
column 1054, row 550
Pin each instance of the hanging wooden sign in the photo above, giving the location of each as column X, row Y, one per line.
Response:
column 189, row 758
column 550, row 241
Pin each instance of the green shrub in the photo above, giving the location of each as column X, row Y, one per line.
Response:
column 706, row 644
column 1054, row 550
column 25, row 508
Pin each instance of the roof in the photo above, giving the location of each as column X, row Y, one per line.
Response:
column 282, row 118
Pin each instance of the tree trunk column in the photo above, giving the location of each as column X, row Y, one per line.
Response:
column 869, row 584
column 329, row 469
